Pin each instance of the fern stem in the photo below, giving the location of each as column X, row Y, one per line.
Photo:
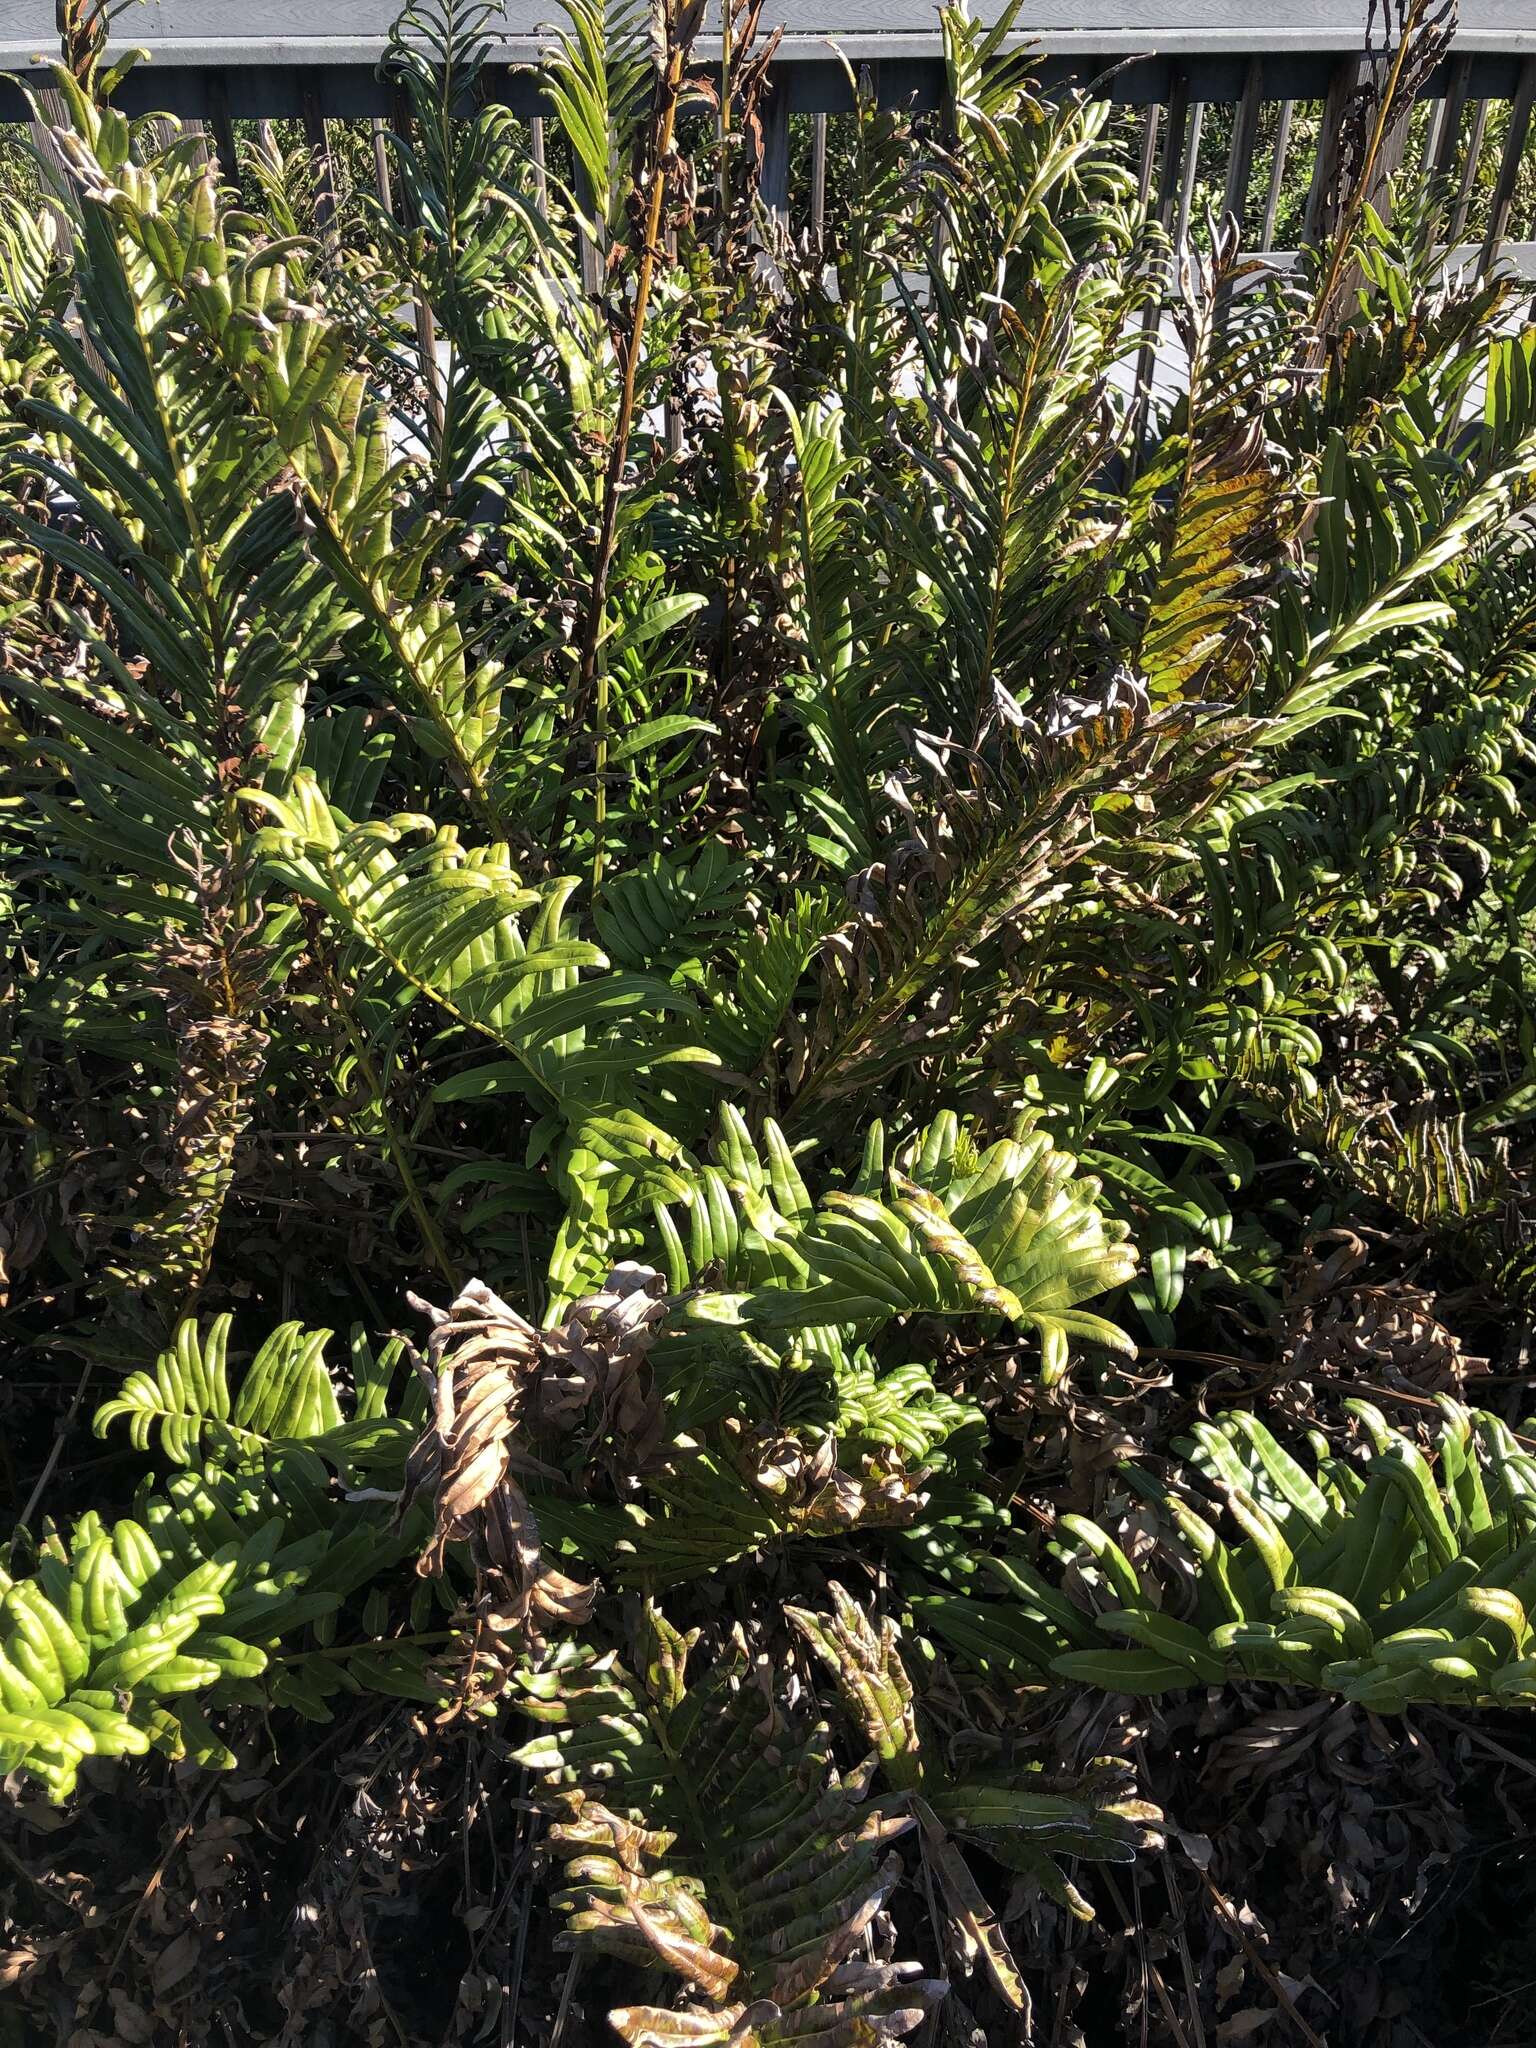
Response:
column 60, row 1438
column 394, row 1139
column 592, row 675
column 728, row 411
column 1344, row 234
column 438, row 1635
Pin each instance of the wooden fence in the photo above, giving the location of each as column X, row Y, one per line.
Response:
column 215, row 61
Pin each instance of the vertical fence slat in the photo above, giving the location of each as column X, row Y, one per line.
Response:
column 1190, row 171
column 1245, row 136
column 1149, row 151
column 50, row 115
column 1394, row 148
column 383, row 183
column 1433, row 134
column 220, row 126
column 426, row 343
column 818, row 175
column 1458, row 226
column 590, row 254
column 1277, row 173
column 319, row 142
column 540, row 173
column 774, row 182
column 1325, row 169
column 1173, row 147
column 1509, row 164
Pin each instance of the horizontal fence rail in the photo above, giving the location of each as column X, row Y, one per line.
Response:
column 274, row 52
column 214, row 62
column 286, row 32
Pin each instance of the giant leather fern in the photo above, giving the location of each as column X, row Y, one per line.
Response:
column 862, row 896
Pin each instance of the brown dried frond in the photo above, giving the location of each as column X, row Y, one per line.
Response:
column 1356, row 1808
column 1072, row 1439
column 498, row 1385
column 83, row 26
column 1417, row 33
column 1337, row 1328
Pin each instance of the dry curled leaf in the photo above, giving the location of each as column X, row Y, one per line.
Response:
column 497, row 1386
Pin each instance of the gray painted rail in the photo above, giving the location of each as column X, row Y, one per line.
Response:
column 259, row 33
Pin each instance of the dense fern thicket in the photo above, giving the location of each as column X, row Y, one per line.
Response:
column 767, row 1084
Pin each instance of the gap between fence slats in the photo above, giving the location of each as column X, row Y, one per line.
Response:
column 1445, row 138
column 1468, row 174
column 774, row 180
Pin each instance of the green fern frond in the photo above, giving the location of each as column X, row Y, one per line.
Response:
column 705, row 1830
column 1020, row 1238
column 446, row 918
column 285, row 1395
column 1024, row 1818
column 202, row 1598
column 671, row 914
column 1386, row 1585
